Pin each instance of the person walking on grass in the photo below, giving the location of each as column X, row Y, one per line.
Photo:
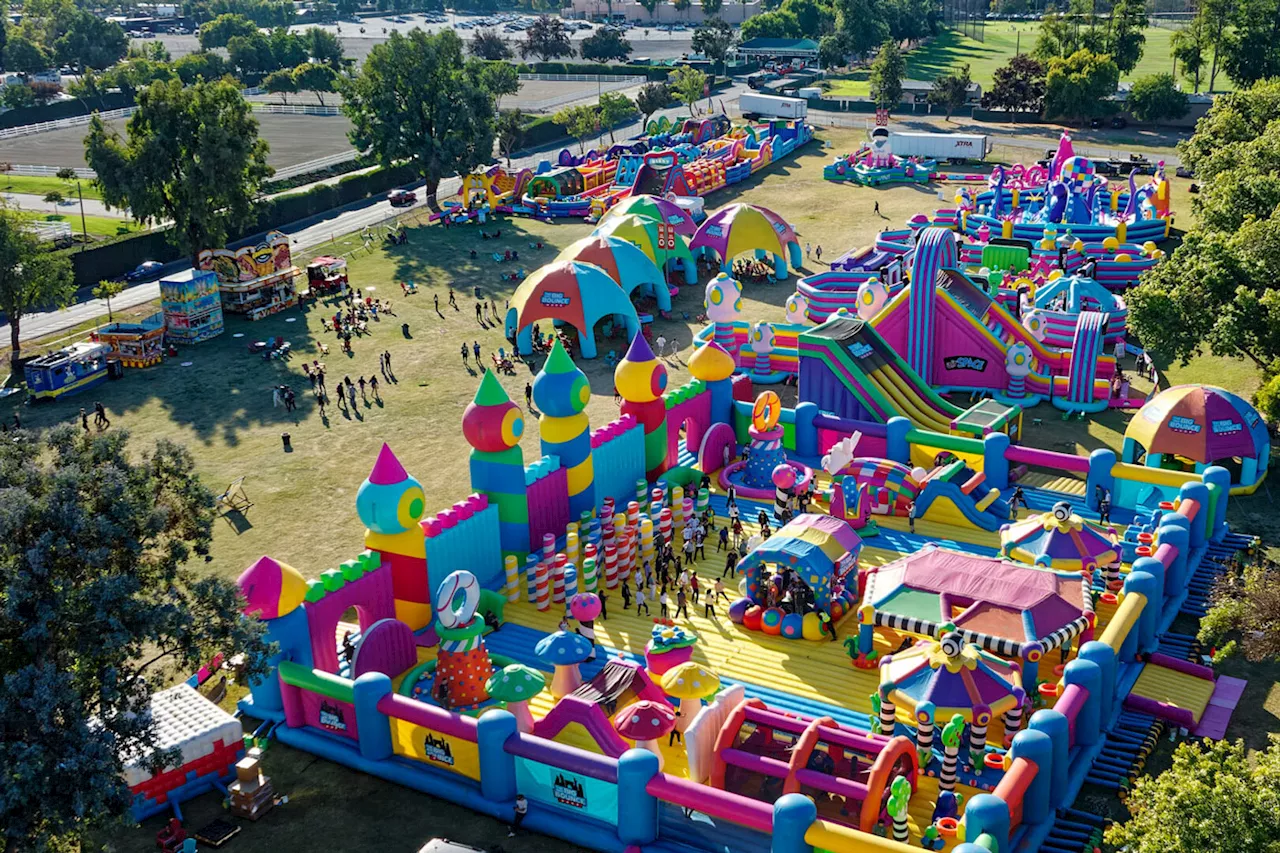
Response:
column 475, row 348
column 373, row 386
column 453, row 299
column 100, row 419
column 363, row 395
column 528, row 395
column 465, row 353
column 84, row 419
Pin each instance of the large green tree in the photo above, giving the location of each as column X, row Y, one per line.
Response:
column 862, row 23
column 323, row 47
column 1156, row 97
column 1080, row 86
column 87, row 41
column 605, row 45
column 581, row 121
column 416, row 98
column 887, row 71
column 220, row 31
column 1017, row 86
column 689, row 85
column 614, row 107
column 651, row 98
column 315, row 78
column 98, row 609
column 490, row 45
column 771, row 25
column 1191, row 47
column 951, row 90
column 1124, row 38
column 31, row 279
column 191, row 156
column 1251, row 51
column 201, row 65
column 547, row 39
column 1215, row 798
column 713, row 39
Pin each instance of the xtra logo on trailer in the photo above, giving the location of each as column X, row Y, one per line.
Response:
column 965, row 362
column 1180, row 423
column 569, row 791
column 555, row 299
column 962, row 143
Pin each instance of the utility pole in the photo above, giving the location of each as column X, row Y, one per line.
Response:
column 84, row 229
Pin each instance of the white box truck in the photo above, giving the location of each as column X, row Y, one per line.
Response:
column 940, row 146
column 771, row 106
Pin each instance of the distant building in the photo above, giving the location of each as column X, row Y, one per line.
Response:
column 629, row 10
column 917, row 91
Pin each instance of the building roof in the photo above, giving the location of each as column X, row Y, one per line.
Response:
column 779, row 47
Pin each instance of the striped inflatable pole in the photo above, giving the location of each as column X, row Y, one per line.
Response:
column 571, row 549
column 557, row 579
column 978, row 737
column 620, row 540
column 549, row 547
column 1012, row 722
column 646, row 540
column 584, row 520
column 642, row 489
column 590, row 551
column 544, row 586
column 687, row 510
column 951, row 735
column 1113, row 576
column 780, row 496
column 654, row 509
column 633, row 514
column 888, row 714
column 704, row 500
column 610, row 567
column 924, row 731
column 658, row 495
column 589, row 574
column 512, row 567
column 531, row 576
column 665, row 524
column 570, row 576
column 901, row 831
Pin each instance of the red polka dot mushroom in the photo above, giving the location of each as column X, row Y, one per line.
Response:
column 646, row 723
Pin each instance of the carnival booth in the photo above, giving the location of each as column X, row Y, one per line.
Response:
column 256, row 281
column 192, row 306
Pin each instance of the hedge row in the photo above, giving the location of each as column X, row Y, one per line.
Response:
column 592, row 69
column 64, row 109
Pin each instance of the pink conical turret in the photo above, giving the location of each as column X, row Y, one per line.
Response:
column 387, row 470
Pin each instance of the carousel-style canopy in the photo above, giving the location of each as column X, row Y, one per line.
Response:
column 1201, row 423
column 625, row 263
column 661, row 245
column 572, row 292
column 737, row 229
column 954, row 676
column 1060, row 539
column 658, row 209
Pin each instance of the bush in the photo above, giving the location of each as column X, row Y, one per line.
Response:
column 1156, row 98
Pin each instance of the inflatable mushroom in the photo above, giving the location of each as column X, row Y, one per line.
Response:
column 646, row 723
column 515, row 685
column 564, row 650
column 690, row 683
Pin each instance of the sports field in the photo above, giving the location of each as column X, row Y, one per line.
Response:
column 1003, row 40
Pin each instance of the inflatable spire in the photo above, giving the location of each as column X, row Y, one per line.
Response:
column 493, row 425
column 561, row 393
column 391, row 503
column 641, row 380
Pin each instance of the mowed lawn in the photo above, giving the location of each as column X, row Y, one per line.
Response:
column 216, row 399
column 950, row 49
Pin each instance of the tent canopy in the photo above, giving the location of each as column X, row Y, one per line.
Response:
column 736, row 229
column 1201, row 423
column 955, row 684
column 572, row 292
column 644, row 232
column 812, row 546
column 657, row 209
column 1068, row 543
column 624, row 262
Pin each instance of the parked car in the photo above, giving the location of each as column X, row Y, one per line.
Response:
column 144, row 271
column 402, row 198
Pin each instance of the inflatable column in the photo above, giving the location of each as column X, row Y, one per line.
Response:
column 492, row 425
column 462, row 663
column 641, row 380
column 723, row 298
column 561, row 393
column 391, row 503
column 1017, row 364
column 713, row 364
column 762, row 346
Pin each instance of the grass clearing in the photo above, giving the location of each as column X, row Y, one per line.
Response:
column 1003, row 39
column 97, row 226
column 220, row 407
column 41, row 186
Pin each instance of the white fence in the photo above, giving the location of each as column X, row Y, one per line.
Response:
column 50, row 232
column 298, row 109
column 314, row 165
column 73, row 121
column 46, row 171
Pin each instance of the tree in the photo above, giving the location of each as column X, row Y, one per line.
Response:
column 45, row 92
column 30, row 279
column 713, row 39
column 201, row 65
column 681, row 5
column 1155, row 98
column 1190, row 48
column 951, row 90
column 887, row 72
column 815, row 19
column 689, row 84
column 1017, row 86
column 605, row 45
column 135, row 75
column 614, row 107
column 833, row 50
column 24, row 56
column 220, row 31
column 101, row 609
column 54, row 198
column 415, row 99
column 106, row 291
column 773, row 25
column 499, row 78
column 510, row 132
column 323, row 47
column 1245, row 615
column 487, row 44
column 1215, row 798
column 288, row 50
column 155, row 51
column 280, row 82
column 1217, row 15
column 649, row 6
column 862, row 25
column 192, row 156
column 17, row 97
column 651, row 98
column 1060, row 36
column 1252, row 50
column 312, row 77
column 1080, row 86
column 88, row 41
column 711, row 9
column 252, row 54
column 1124, row 38
column 546, row 39
column 580, row 121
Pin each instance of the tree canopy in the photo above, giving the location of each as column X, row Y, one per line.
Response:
column 1017, row 86
column 1080, row 86
column 651, row 98
column 951, row 90
column 689, row 85
column 490, row 45
column 605, row 45
column 1156, row 97
column 220, row 31
column 416, row 98
column 191, row 156
column 1213, row 799
column 614, row 107
column 547, row 39
column 30, row 278
column 98, row 604
column 712, row 39
column 887, row 72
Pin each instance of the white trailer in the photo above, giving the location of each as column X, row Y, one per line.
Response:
column 940, row 146
column 771, row 106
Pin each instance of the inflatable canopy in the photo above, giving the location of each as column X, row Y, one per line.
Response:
column 571, row 292
column 1060, row 539
column 624, row 262
column 737, row 229
column 1203, row 425
column 657, row 209
column 645, row 233
column 816, row 547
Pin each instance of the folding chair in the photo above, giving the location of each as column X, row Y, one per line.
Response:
column 234, row 498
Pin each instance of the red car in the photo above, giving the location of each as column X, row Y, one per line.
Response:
column 402, row 198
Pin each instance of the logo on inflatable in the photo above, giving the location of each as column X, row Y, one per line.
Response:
column 1180, row 423
column 1225, row 426
column 555, row 299
column 965, row 362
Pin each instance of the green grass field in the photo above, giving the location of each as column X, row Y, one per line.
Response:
column 216, row 398
column 97, row 226
column 950, row 50
column 32, row 185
